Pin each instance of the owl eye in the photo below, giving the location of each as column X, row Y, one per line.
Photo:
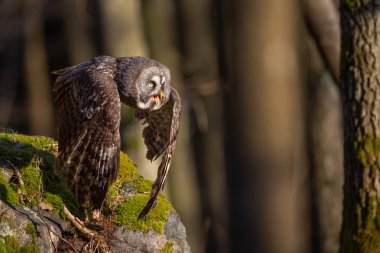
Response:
column 151, row 84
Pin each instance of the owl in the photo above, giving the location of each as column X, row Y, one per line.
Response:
column 88, row 98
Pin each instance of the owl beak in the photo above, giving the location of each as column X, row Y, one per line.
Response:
column 156, row 99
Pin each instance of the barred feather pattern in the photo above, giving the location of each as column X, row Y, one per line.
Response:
column 160, row 136
column 88, row 106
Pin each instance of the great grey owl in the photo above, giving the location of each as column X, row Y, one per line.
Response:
column 88, row 98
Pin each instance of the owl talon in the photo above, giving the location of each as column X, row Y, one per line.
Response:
column 96, row 214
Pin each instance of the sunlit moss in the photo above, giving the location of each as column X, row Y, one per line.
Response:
column 127, row 169
column 34, row 158
column 7, row 193
column 168, row 248
column 128, row 211
column 142, row 185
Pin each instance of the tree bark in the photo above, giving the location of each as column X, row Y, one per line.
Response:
column 360, row 84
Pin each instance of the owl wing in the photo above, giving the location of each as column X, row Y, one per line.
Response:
column 88, row 131
column 160, row 137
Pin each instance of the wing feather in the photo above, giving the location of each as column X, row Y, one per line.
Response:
column 160, row 137
column 88, row 106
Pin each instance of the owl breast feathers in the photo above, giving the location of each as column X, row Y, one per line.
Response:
column 88, row 97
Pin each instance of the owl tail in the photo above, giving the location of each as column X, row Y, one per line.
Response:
column 160, row 181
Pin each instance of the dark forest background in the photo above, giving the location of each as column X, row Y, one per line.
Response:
column 259, row 160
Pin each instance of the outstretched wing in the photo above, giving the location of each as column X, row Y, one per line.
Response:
column 88, row 130
column 160, row 137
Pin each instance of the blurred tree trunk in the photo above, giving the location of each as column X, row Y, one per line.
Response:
column 265, row 146
column 324, row 129
column 202, row 87
column 161, row 29
column 326, row 160
column 78, row 26
column 123, row 36
column 11, row 50
column 360, row 84
column 323, row 21
column 40, row 105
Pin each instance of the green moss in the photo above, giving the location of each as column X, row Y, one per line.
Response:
column 31, row 230
column 39, row 142
column 128, row 211
column 168, row 248
column 112, row 194
column 367, row 236
column 10, row 244
column 34, row 158
column 141, row 184
column 127, row 169
column 367, row 148
column 7, row 193
column 128, row 174
column 29, row 248
column 11, row 241
column 32, row 177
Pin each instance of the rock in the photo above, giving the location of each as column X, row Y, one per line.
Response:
column 125, row 240
column 175, row 231
column 32, row 158
column 29, row 226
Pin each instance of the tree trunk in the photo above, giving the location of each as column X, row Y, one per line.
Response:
column 265, row 128
column 161, row 27
column 326, row 163
column 324, row 119
column 360, row 79
column 205, row 103
column 40, row 109
column 322, row 19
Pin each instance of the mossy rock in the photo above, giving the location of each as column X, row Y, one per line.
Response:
column 10, row 244
column 32, row 157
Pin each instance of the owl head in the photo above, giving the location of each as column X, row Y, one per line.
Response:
column 143, row 83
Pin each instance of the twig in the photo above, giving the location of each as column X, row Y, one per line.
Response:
column 17, row 173
column 74, row 220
